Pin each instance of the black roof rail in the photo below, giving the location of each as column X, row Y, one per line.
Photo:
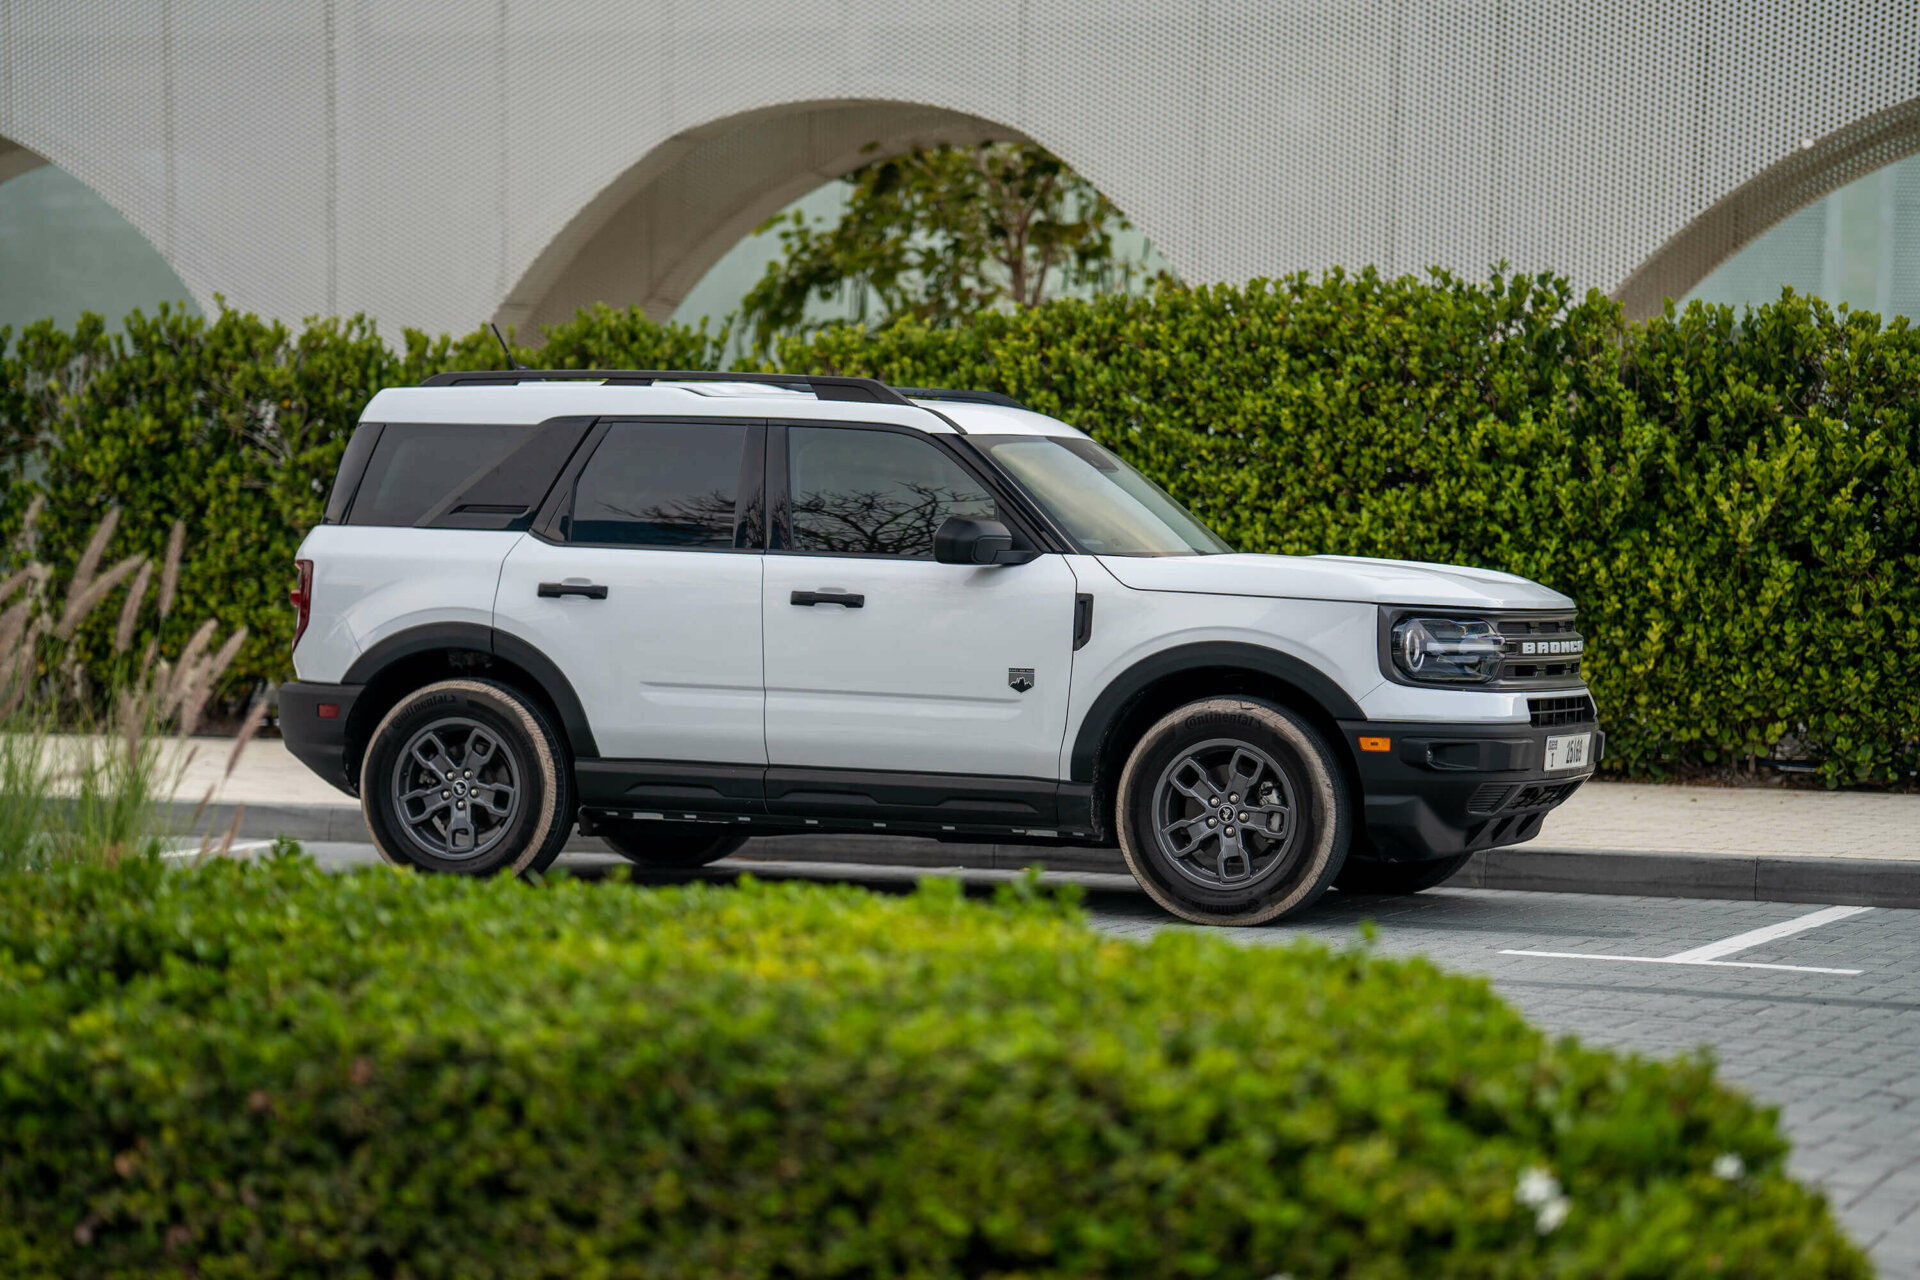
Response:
column 823, row 386
column 965, row 397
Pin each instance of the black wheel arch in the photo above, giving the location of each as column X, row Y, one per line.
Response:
column 441, row 650
column 1146, row 691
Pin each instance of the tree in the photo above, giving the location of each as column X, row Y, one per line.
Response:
column 942, row 234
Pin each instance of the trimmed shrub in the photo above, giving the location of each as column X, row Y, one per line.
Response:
column 270, row 1070
column 1734, row 501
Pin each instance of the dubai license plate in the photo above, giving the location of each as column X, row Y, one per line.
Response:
column 1569, row 751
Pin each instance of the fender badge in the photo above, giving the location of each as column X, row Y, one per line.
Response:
column 1020, row 679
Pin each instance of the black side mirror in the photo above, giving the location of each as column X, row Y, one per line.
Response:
column 963, row 540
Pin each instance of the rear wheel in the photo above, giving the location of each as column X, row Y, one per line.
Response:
column 467, row 776
column 1372, row 875
column 667, row 844
column 1233, row 811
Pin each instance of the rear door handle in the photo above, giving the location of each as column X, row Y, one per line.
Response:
column 851, row 599
column 554, row 590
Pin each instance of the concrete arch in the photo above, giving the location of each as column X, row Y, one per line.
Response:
column 652, row 232
column 1819, row 167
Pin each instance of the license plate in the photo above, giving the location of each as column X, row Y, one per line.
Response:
column 1569, row 751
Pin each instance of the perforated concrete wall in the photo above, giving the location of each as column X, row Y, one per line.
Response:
column 438, row 162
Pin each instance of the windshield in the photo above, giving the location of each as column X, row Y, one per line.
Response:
column 1107, row 506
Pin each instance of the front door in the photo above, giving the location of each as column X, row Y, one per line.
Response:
column 881, row 660
column 647, row 594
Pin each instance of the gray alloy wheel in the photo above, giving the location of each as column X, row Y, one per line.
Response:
column 467, row 776
column 1223, row 814
column 1233, row 810
column 456, row 788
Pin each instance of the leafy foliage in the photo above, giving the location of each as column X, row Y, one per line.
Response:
column 942, row 234
column 270, row 1070
column 1733, row 500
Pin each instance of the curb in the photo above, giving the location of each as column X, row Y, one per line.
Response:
column 1840, row 881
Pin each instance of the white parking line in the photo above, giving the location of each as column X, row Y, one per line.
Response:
column 1710, row 954
column 239, row 846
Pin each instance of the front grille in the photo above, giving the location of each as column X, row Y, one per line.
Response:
column 1535, row 648
column 1545, row 713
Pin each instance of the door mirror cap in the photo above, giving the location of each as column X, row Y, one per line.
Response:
column 964, row 540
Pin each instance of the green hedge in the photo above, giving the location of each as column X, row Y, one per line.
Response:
column 270, row 1070
column 1733, row 499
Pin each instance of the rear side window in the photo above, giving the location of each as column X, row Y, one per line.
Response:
column 660, row 484
column 416, row 466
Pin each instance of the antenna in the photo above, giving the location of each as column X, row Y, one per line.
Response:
column 511, row 362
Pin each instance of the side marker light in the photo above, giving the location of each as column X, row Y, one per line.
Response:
column 1376, row 744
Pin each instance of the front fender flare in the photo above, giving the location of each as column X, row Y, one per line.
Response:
column 1109, row 708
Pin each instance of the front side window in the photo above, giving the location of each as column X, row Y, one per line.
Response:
column 875, row 492
column 1107, row 506
column 659, row 484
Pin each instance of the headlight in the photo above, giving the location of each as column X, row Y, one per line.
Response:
column 1447, row 650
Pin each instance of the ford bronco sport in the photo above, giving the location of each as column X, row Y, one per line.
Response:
column 681, row 609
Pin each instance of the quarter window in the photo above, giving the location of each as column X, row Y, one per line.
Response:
column 660, row 484
column 875, row 492
column 417, row 465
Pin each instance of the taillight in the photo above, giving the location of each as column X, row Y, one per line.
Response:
column 302, row 597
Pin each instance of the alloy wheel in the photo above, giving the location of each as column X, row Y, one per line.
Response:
column 1224, row 815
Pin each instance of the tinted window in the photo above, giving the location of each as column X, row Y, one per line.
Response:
column 417, row 465
column 875, row 492
column 660, row 484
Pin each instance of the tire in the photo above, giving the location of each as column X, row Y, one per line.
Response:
column 667, row 844
column 467, row 733
column 1372, row 875
column 1281, row 865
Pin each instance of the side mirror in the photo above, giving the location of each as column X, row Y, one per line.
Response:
column 963, row 540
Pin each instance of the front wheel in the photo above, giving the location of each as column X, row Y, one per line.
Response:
column 1372, row 875
column 1233, row 811
column 667, row 844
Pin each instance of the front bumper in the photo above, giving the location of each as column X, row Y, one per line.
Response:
column 1446, row 789
column 317, row 738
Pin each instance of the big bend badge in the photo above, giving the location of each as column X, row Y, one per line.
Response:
column 1020, row 679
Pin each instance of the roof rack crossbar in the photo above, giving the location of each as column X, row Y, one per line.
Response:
column 823, row 386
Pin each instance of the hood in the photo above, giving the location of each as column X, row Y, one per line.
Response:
column 1335, row 578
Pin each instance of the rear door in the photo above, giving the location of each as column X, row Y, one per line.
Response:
column 642, row 584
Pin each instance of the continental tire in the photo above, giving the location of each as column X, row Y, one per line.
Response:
column 467, row 776
column 1233, row 811
column 668, row 844
column 1371, row 875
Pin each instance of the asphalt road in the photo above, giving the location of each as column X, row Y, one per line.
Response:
column 1814, row 1009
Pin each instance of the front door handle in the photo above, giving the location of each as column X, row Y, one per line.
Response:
column 554, row 590
column 851, row 599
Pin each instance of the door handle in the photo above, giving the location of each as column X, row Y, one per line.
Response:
column 851, row 599
column 554, row 590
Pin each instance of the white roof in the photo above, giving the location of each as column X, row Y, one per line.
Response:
column 532, row 402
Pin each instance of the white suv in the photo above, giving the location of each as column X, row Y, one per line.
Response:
column 679, row 609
